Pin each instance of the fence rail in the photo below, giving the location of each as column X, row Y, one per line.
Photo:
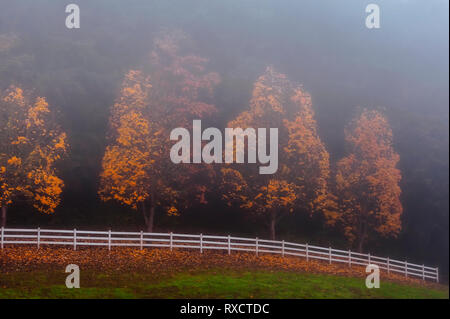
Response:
column 76, row 238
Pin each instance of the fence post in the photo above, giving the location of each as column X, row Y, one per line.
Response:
column 109, row 239
column 142, row 240
column 406, row 268
column 256, row 246
column 349, row 258
column 282, row 249
column 437, row 274
column 307, row 256
column 171, row 241
column 423, row 272
column 201, row 243
column 368, row 256
column 229, row 245
column 3, row 231
column 388, row 266
column 38, row 237
column 74, row 239
column 329, row 254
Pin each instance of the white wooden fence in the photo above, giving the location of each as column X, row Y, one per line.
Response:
column 76, row 238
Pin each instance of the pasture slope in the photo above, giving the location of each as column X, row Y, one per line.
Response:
column 27, row 272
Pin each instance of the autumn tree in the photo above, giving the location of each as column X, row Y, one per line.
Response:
column 301, row 179
column 136, row 167
column 31, row 144
column 367, row 181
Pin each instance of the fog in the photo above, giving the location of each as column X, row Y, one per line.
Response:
column 401, row 68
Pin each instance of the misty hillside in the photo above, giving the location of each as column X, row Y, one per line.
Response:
column 400, row 70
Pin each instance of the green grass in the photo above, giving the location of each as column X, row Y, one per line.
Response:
column 210, row 284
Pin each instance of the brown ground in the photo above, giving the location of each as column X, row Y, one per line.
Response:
column 164, row 261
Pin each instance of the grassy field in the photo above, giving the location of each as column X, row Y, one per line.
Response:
column 209, row 284
column 27, row 272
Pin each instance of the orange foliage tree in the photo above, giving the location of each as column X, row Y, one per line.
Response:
column 31, row 143
column 301, row 178
column 367, row 181
column 136, row 167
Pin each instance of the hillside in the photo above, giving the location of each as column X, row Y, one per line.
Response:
column 158, row 273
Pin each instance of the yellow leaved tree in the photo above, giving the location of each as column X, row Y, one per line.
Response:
column 136, row 167
column 367, row 181
column 31, row 143
column 301, row 179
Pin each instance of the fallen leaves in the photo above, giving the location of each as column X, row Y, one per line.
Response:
column 163, row 261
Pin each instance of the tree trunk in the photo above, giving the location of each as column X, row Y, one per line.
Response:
column 150, row 215
column 150, row 219
column 362, row 237
column 360, row 244
column 144, row 213
column 3, row 216
column 272, row 226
